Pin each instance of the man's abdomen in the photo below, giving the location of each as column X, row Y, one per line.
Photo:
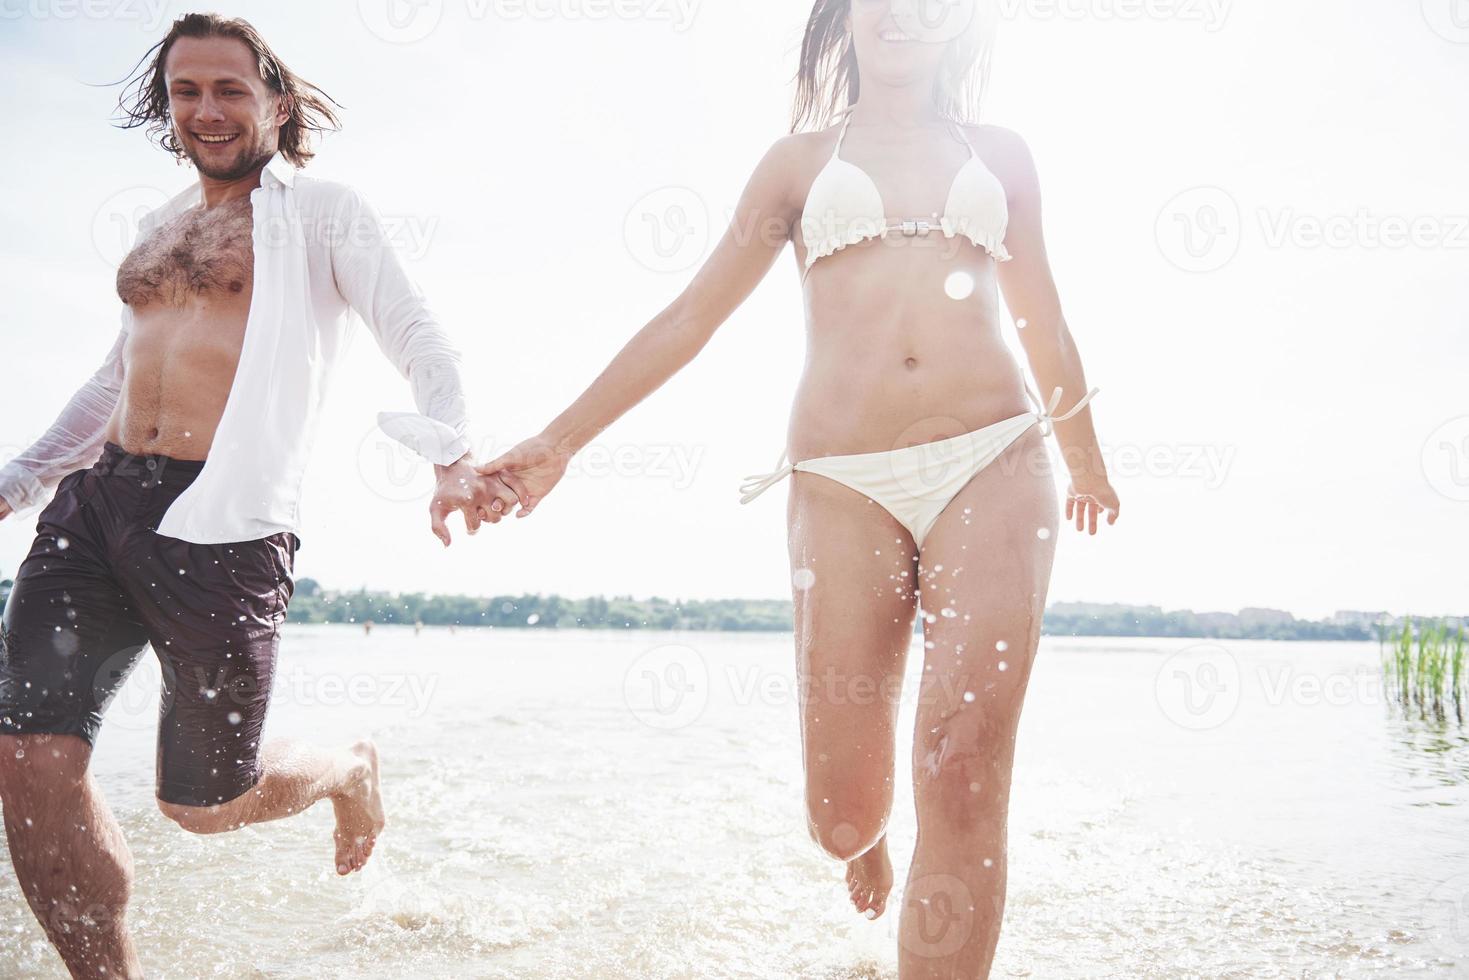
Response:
column 179, row 367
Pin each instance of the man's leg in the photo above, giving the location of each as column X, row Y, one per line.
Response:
column 294, row 776
column 69, row 855
column 68, row 641
column 216, row 629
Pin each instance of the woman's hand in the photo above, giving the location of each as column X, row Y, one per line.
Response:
column 1084, row 501
column 459, row 486
column 532, row 469
column 4, row 509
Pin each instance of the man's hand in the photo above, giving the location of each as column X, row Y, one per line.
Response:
column 531, row 470
column 4, row 509
column 460, row 487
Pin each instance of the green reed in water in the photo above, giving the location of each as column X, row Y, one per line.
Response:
column 1424, row 667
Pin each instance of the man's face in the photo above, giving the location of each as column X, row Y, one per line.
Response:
column 227, row 120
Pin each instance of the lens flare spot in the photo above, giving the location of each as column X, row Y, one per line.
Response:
column 959, row 285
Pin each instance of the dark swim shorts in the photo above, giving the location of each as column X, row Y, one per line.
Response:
column 100, row 584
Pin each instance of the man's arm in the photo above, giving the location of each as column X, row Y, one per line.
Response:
column 74, row 439
column 371, row 278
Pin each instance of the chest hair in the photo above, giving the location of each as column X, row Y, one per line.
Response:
column 199, row 252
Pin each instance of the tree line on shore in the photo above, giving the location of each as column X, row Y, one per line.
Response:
column 313, row 604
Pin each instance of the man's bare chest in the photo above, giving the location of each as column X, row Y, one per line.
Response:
column 198, row 255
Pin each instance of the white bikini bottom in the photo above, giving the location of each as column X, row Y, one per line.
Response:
column 916, row 484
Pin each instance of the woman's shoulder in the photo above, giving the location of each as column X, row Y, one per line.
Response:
column 798, row 149
column 1002, row 142
column 794, row 160
column 1005, row 152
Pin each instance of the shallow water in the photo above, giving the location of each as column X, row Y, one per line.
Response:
column 608, row 805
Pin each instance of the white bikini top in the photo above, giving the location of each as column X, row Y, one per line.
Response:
column 844, row 207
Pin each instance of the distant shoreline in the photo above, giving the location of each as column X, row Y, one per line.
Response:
column 312, row 604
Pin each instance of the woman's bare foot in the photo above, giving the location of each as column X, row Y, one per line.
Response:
column 870, row 878
column 359, row 810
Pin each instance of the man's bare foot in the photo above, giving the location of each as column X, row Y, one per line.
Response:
column 359, row 810
column 870, row 878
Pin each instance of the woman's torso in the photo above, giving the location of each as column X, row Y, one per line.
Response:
column 903, row 333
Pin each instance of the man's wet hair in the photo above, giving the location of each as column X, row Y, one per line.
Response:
column 144, row 102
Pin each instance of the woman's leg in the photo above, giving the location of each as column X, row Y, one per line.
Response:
column 852, row 574
column 984, row 572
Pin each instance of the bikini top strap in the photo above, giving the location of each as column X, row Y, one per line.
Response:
column 964, row 138
column 842, row 137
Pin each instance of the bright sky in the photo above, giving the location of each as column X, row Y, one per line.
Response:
column 1256, row 213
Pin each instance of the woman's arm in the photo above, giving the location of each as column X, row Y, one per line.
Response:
column 1030, row 293
column 759, row 232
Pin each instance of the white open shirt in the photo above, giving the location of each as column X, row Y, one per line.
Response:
column 321, row 254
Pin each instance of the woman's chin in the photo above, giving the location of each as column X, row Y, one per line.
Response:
column 898, row 70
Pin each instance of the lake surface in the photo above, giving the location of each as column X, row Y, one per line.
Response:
column 628, row 805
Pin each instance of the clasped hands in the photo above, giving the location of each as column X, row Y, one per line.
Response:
column 517, row 481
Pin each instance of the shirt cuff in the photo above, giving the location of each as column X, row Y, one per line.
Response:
column 19, row 489
column 435, row 441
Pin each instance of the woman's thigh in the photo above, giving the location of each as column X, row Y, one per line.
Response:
column 984, row 573
column 853, row 571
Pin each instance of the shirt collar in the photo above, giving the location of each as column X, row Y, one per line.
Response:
column 279, row 169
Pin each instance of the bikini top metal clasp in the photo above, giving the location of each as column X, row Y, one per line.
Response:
column 914, row 227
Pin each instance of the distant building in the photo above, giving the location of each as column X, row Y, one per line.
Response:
column 1356, row 617
column 1103, row 609
column 1251, row 618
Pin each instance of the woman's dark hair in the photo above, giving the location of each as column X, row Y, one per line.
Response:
column 145, row 100
column 828, row 80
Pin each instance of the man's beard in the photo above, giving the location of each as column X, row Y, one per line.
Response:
column 245, row 161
